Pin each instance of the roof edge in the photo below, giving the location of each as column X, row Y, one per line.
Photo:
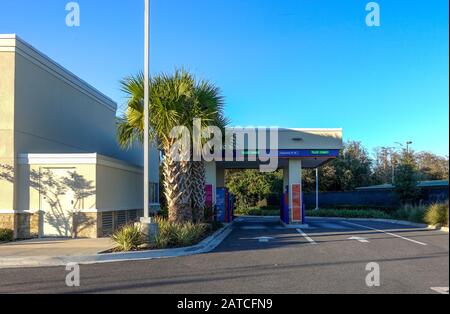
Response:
column 41, row 59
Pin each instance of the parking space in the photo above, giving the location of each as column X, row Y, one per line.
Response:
column 258, row 234
column 411, row 259
column 261, row 256
column 250, row 231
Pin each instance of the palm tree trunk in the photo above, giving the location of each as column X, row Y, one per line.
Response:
column 186, row 186
column 175, row 187
column 198, row 174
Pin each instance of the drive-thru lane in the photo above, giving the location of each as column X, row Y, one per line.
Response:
column 260, row 256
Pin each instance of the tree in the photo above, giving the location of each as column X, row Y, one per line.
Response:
column 406, row 179
column 175, row 100
column 250, row 187
column 350, row 170
column 384, row 165
column 353, row 167
column 432, row 167
column 209, row 104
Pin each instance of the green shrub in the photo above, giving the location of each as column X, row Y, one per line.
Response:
column 216, row 225
column 437, row 214
column 128, row 238
column 255, row 211
column 350, row 213
column 164, row 212
column 6, row 235
column 172, row 234
column 410, row 213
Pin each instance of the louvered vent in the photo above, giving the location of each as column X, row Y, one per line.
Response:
column 107, row 224
column 121, row 219
column 132, row 215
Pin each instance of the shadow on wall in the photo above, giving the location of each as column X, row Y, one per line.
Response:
column 64, row 197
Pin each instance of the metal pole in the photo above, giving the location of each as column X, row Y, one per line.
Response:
column 393, row 173
column 146, row 108
column 317, row 188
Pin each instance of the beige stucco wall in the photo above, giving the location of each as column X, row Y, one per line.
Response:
column 311, row 139
column 7, row 161
column 29, row 184
column 106, row 185
column 291, row 138
column 119, row 189
column 45, row 109
column 55, row 112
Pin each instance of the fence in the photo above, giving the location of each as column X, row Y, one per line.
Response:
column 372, row 198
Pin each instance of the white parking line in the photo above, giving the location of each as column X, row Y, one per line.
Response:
column 306, row 237
column 385, row 232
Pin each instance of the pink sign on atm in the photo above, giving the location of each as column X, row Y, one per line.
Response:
column 209, row 195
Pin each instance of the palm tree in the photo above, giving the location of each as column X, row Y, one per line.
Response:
column 175, row 100
column 168, row 98
column 209, row 105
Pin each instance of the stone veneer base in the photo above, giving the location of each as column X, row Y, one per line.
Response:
column 85, row 225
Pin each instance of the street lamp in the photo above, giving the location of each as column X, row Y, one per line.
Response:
column 408, row 143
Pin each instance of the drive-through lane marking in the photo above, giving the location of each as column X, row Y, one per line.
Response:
column 306, row 237
column 385, row 232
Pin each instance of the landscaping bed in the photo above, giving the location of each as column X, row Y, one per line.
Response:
column 6, row 235
column 171, row 235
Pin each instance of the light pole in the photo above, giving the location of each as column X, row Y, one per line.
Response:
column 317, row 188
column 408, row 143
column 146, row 109
column 391, row 151
column 148, row 227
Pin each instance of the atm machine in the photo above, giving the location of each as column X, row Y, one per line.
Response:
column 285, row 214
column 224, row 206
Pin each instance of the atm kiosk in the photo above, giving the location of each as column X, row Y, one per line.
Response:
column 285, row 214
column 224, row 206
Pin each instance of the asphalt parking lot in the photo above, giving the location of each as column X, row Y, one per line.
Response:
column 261, row 256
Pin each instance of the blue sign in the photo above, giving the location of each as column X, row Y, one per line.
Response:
column 293, row 153
column 221, row 204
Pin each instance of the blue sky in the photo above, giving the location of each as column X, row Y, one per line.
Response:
column 287, row 63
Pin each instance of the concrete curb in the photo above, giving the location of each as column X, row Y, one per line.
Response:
column 439, row 227
column 295, row 226
column 398, row 222
column 205, row 246
column 258, row 217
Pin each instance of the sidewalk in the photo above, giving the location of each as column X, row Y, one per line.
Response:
column 60, row 252
column 55, row 247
